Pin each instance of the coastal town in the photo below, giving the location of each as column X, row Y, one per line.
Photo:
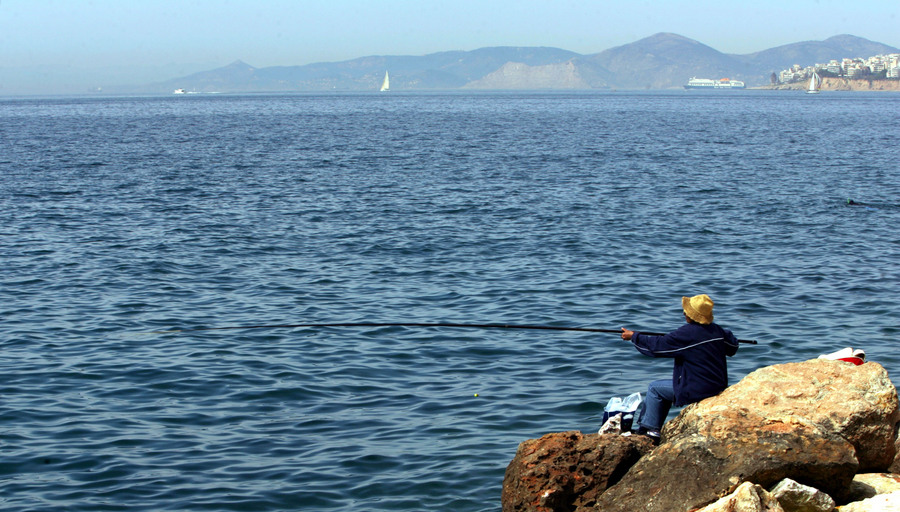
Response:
column 877, row 67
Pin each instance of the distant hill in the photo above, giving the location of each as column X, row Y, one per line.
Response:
column 807, row 53
column 666, row 60
column 660, row 61
column 444, row 70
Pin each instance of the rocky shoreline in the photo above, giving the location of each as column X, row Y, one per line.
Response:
column 840, row 84
column 819, row 435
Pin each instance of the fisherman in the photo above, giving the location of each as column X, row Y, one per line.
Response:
column 699, row 348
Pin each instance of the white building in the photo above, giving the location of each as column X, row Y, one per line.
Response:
column 850, row 68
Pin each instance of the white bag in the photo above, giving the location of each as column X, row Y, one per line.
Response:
column 848, row 354
column 618, row 415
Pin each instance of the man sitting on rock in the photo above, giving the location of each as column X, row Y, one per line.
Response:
column 699, row 348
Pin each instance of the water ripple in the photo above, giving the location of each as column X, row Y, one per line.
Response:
column 570, row 210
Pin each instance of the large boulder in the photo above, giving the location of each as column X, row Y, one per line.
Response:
column 857, row 403
column 561, row 471
column 691, row 471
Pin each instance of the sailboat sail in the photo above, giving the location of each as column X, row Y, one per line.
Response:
column 815, row 82
column 386, row 85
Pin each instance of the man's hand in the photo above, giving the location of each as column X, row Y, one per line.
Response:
column 626, row 334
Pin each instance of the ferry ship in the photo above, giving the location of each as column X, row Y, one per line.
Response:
column 706, row 83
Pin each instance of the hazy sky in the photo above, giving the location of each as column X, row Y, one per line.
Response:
column 70, row 45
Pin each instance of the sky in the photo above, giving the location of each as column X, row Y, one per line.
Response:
column 73, row 46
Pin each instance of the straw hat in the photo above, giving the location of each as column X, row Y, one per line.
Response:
column 698, row 308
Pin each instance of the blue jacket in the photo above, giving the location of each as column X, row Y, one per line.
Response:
column 699, row 351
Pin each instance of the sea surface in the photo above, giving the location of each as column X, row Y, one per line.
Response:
column 126, row 219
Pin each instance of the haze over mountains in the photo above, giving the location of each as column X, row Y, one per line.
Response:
column 660, row 61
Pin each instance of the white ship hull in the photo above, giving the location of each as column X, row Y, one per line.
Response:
column 706, row 83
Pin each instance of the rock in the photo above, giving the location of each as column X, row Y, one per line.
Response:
column 748, row 497
column 858, row 403
column 881, row 503
column 722, row 455
column 562, row 471
column 846, row 84
column 818, row 423
column 796, row 497
column 867, row 485
column 895, row 466
column 840, row 84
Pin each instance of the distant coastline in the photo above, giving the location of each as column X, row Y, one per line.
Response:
column 661, row 61
column 841, row 84
column 658, row 62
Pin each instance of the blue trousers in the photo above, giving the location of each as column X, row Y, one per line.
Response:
column 660, row 395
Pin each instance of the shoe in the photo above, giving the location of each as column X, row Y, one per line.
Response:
column 653, row 435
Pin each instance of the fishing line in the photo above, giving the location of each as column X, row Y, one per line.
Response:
column 414, row 324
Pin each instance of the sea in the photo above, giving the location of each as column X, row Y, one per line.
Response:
column 133, row 229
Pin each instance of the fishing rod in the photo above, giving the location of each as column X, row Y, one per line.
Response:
column 415, row 324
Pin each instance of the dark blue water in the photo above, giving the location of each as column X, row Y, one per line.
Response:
column 122, row 217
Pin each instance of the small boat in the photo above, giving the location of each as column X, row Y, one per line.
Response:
column 386, row 85
column 815, row 83
column 179, row 91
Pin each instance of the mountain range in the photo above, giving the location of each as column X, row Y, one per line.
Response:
column 660, row 61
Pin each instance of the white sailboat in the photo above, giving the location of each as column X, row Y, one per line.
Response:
column 386, row 85
column 815, row 82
